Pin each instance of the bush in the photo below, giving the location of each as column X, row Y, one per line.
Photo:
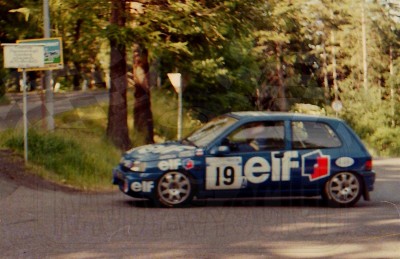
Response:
column 2, row 90
column 2, row 84
column 386, row 141
column 365, row 110
column 308, row 109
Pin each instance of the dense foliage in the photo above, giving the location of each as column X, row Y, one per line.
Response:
column 237, row 55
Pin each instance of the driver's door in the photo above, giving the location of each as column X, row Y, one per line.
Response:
column 252, row 164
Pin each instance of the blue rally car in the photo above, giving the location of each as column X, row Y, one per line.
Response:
column 245, row 154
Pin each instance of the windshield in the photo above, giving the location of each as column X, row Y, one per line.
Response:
column 206, row 134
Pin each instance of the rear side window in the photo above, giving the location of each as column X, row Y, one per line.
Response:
column 308, row 134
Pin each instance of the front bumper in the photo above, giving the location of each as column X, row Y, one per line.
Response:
column 137, row 185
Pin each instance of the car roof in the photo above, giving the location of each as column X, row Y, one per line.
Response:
column 261, row 115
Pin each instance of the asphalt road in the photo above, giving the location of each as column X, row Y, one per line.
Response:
column 38, row 222
column 11, row 115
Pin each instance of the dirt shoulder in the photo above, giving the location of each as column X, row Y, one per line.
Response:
column 14, row 171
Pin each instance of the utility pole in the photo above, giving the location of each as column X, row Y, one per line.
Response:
column 364, row 44
column 48, row 73
column 334, row 72
column 391, row 70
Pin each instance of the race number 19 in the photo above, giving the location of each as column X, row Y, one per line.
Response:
column 223, row 173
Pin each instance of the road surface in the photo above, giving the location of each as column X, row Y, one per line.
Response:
column 11, row 115
column 39, row 221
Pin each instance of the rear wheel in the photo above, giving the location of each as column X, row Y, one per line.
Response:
column 342, row 190
column 174, row 189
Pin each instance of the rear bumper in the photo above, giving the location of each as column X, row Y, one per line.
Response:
column 369, row 181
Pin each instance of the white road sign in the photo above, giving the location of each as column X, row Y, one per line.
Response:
column 337, row 106
column 23, row 56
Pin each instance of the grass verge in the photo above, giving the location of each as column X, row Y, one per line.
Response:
column 68, row 157
column 4, row 100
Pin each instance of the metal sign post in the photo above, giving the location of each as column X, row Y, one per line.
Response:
column 176, row 81
column 25, row 114
column 53, row 59
column 24, row 56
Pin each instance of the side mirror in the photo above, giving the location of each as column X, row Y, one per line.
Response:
column 220, row 150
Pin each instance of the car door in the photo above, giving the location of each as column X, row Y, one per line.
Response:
column 317, row 144
column 253, row 163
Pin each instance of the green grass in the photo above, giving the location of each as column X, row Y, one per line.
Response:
column 69, row 157
column 4, row 100
column 78, row 153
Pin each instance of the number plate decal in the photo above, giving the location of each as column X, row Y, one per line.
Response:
column 224, row 173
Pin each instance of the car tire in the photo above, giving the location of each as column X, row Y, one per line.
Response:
column 174, row 189
column 343, row 189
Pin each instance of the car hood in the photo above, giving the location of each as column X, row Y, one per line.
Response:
column 160, row 151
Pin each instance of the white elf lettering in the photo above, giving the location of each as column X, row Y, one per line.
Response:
column 144, row 186
column 171, row 164
column 282, row 165
column 257, row 170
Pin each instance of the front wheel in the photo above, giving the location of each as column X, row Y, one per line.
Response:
column 174, row 189
column 342, row 190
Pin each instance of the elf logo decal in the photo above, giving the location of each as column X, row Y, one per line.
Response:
column 171, row 164
column 144, row 186
column 227, row 173
column 175, row 164
column 315, row 165
column 224, row 173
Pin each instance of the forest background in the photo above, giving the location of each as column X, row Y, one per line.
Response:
column 233, row 55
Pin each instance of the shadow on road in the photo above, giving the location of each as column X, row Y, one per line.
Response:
column 239, row 202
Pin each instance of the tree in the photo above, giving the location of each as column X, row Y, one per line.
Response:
column 282, row 53
column 80, row 23
column 117, row 127
column 142, row 115
column 17, row 21
column 189, row 37
column 208, row 42
column 327, row 19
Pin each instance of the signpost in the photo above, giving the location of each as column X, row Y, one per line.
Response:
column 176, row 81
column 337, row 106
column 24, row 57
column 53, row 59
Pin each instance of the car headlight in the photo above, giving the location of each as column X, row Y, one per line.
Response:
column 134, row 166
column 138, row 166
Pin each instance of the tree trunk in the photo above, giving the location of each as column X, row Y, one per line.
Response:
column 143, row 117
column 325, row 72
column 282, row 101
column 77, row 77
column 117, row 127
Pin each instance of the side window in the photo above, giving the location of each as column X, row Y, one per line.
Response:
column 257, row 136
column 307, row 134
